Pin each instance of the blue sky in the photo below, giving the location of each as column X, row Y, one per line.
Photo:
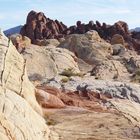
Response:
column 14, row 12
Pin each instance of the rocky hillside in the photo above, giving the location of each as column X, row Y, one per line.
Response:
column 20, row 113
column 79, row 87
column 102, row 101
column 38, row 28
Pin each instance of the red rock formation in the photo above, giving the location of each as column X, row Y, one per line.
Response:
column 47, row 100
column 78, row 99
column 39, row 27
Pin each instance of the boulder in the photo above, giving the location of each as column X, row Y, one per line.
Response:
column 118, row 49
column 111, row 70
column 89, row 47
column 117, row 39
column 48, row 61
column 93, row 36
column 47, row 100
column 20, row 42
column 46, row 42
column 53, row 42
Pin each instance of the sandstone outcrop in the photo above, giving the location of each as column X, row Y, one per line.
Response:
column 38, row 27
column 18, row 120
column 111, row 70
column 20, row 42
column 97, row 125
column 108, row 88
column 109, row 109
column 3, row 39
column 118, row 49
column 105, row 31
column 13, row 69
column 46, row 42
column 47, row 100
column 108, row 31
column 89, row 47
column 47, row 62
column 20, row 113
column 103, row 60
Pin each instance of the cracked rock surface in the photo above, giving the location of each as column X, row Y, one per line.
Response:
column 112, row 115
column 20, row 114
column 47, row 62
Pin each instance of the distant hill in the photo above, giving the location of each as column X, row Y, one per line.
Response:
column 13, row 30
column 137, row 29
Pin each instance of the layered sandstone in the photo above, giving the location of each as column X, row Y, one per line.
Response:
column 20, row 113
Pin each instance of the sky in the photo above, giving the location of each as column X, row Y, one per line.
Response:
column 14, row 12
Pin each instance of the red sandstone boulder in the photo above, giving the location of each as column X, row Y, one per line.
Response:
column 69, row 98
column 47, row 100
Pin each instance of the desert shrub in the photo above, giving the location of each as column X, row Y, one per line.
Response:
column 136, row 76
column 70, row 72
column 65, row 80
column 49, row 121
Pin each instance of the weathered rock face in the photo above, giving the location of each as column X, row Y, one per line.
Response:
column 113, row 109
column 3, row 39
column 104, row 30
column 114, row 62
column 108, row 88
column 89, row 47
column 76, row 124
column 108, row 31
column 71, row 98
column 47, row 100
column 13, row 69
column 47, row 42
column 38, row 27
column 19, row 119
column 117, row 39
column 46, row 62
column 111, row 70
column 20, row 42
column 118, row 49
